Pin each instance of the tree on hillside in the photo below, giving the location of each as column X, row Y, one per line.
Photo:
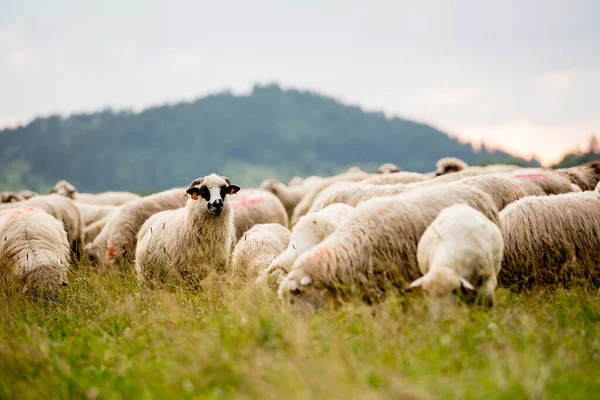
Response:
column 576, row 157
column 594, row 145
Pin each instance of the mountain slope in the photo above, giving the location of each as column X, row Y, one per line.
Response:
column 270, row 132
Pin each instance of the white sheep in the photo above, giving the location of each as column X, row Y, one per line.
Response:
column 258, row 247
column 66, row 189
column 375, row 249
column 35, row 246
column 64, row 210
column 460, row 251
column 255, row 206
column 122, row 235
column 190, row 241
column 305, row 204
column 91, row 213
column 310, row 230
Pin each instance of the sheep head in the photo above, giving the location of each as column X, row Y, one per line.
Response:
column 448, row 165
column 212, row 190
column 64, row 188
column 442, row 282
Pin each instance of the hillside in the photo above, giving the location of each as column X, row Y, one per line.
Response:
column 270, row 132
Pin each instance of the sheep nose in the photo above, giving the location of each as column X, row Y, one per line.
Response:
column 218, row 203
column 216, row 207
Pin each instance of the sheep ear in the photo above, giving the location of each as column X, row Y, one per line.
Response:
column 466, row 286
column 466, row 291
column 193, row 191
column 233, row 189
column 196, row 182
column 415, row 287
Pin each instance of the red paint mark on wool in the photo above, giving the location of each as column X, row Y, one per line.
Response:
column 111, row 253
column 247, row 201
column 320, row 252
column 19, row 211
column 530, row 176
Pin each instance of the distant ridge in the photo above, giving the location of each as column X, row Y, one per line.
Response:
column 268, row 133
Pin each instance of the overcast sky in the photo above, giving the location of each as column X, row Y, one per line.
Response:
column 524, row 75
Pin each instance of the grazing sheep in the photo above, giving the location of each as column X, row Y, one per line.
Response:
column 93, row 230
column 357, row 194
column 64, row 210
column 91, row 213
column 35, row 248
column 502, row 191
column 586, row 176
column 64, row 188
column 310, row 230
column 289, row 196
column 189, row 241
column 551, row 240
column 541, row 183
column 10, row 197
column 387, row 168
column 255, row 206
column 461, row 251
column 97, row 250
column 375, row 248
column 123, row 236
column 258, row 247
column 307, row 201
column 27, row 194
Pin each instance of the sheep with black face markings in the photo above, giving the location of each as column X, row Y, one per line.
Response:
column 376, row 248
column 190, row 241
column 34, row 248
column 461, row 251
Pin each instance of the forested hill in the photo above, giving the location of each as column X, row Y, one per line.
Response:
column 268, row 133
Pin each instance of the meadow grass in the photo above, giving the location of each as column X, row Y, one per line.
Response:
column 105, row 336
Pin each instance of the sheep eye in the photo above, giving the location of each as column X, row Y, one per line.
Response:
column 223, row 191
column 205, row 193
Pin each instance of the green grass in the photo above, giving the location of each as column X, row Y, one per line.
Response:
column 104, row 336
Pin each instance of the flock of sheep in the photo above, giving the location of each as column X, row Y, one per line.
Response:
column 459, row 231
